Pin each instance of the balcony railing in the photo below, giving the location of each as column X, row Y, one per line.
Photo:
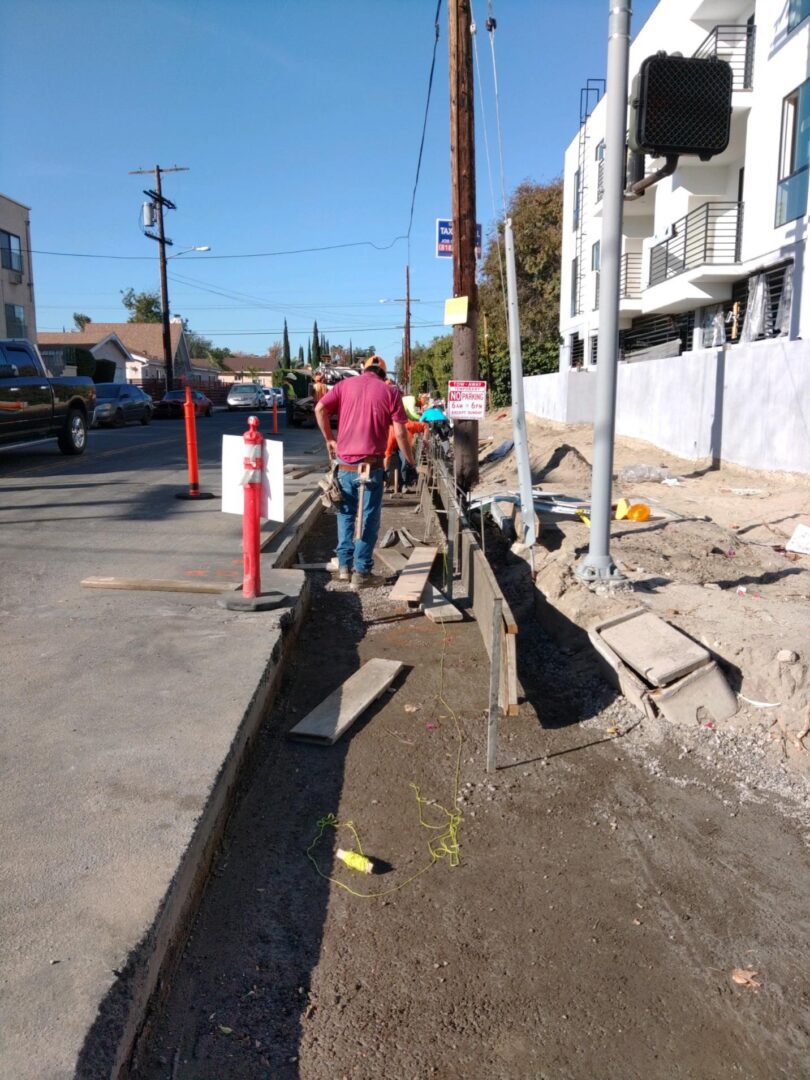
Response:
column 708, row 236
column 630, row 283
column 736, row 45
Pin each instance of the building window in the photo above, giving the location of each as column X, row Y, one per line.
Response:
column 577, row 346
column 799, row 10
column 599, row 155
column 594, row 347
column 15, row 321
column 575, row 286
column 596, row 263
column 794, row 158
column 10, row 251
column 577, row 199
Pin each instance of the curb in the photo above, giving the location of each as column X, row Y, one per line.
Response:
column 111, row 1043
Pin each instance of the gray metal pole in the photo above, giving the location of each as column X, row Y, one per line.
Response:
column 529, row 534
column 598, row 565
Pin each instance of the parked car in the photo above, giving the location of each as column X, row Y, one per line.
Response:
column 272, row 393
column 246, row 396
column 116, row 403
column 171, row 405
column 34, row 405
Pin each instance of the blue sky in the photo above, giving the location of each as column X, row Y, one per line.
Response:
column 299, row 121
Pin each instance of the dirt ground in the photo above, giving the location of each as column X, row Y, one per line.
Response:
column 719, row 571
column 608, row 887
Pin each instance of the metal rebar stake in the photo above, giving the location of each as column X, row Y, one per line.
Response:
column 494, row 685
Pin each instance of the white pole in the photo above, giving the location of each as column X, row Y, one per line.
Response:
column 529, row 531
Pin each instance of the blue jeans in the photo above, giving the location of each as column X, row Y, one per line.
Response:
column 360, row 554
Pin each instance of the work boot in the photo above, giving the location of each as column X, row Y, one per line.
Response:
column 344, row 573
column 365, row 581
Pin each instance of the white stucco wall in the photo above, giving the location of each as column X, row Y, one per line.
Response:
column 749, row 405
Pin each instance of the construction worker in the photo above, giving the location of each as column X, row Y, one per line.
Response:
column 366, row 407
column 319, row 389
column 290, row 395
column 393, row 461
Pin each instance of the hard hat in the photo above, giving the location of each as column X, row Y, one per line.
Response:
column 375, row 361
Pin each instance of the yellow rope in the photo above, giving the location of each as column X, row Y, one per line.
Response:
column 443, row 846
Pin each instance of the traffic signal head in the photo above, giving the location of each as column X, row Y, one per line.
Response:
column 681, row 105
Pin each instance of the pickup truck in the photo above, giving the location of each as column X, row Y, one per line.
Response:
column 35, row 406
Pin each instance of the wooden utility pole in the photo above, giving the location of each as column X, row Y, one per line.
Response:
column 462, row 173
column 160, row 203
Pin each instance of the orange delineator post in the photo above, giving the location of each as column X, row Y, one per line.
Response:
column 191, row 445
column 275, row 415
column 251, row 518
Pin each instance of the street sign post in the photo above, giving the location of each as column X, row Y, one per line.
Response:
column 444, row 239
column 466, row 399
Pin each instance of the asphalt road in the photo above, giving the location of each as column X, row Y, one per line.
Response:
column 118, row 709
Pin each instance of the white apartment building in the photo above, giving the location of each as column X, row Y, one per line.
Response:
column 715, row 300
column 17, row 315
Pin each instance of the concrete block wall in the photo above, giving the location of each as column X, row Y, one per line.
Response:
column 748, row 405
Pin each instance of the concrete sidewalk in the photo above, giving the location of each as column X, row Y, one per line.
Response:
column 126, row 718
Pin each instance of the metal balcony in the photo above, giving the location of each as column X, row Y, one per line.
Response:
column 708, row 236
column 734, row 44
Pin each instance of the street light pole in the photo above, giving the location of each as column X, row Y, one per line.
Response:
column 598, row 565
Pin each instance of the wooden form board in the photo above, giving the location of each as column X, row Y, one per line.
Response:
column 336, row 713
column 482, row 589
column 157, row 585
column 414, row 577
column 395, row 562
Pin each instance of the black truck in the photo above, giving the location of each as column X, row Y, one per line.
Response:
column 34, row 405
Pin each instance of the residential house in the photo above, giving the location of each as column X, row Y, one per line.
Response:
column 714, row 341
column 142, row 341
column 244, row 367
column 56, row 350
column 17, row 312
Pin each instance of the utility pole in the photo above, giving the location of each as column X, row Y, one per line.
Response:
column 160, row 203
column 462, row 175
column 406, row 349
column 598, row 565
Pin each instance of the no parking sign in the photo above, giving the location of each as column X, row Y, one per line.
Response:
column 466, row 399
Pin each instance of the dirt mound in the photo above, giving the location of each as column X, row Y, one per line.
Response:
column 566, row 465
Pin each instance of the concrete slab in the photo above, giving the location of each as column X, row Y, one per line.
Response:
column 657, row 651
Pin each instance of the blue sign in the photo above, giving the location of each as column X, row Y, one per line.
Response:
column 444, row 239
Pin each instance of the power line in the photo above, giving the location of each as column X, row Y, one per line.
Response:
column 244, row 255
column 424, row 123
column 304, row 333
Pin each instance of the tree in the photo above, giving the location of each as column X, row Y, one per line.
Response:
column 351, row 353
column 81, row 320
column 142, row 306
column 536, row 212
column 432, row 366
column 316, row 346
column 286, row 349
column 274, row 355
column 309, row 354
column 300, row 355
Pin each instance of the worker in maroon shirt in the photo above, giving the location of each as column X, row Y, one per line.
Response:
column 366, row 407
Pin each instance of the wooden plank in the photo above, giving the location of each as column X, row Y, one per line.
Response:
column 438, row 608
column 157, row 585
column 336, row 713
column 510, row 673
column 395, row 562
column 414, row 577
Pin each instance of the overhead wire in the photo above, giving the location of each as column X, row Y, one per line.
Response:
column 424, row 125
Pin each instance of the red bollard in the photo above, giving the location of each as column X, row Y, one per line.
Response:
column 275, row 415
column 191, row 451
column 251, row 518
